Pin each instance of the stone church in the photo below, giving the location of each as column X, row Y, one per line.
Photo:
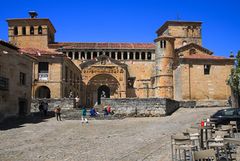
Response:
column 174, row 66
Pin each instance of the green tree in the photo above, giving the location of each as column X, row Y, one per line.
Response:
column 234, row 82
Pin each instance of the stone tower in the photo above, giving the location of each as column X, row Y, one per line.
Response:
column 31, row 32
column 164, row 67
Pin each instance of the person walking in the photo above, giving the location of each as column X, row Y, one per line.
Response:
column 84, row 115
column 58, row 113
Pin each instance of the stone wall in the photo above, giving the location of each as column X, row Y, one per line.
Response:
column 142, row 106
column 64, row 103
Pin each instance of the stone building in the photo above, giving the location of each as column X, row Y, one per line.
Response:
column 54, row 75
column 15, row 81
column 176, row 66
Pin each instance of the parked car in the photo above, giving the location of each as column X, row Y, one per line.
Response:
column 223, row 117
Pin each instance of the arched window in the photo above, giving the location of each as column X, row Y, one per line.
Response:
column 24, row 30
column 94, row 54
column 31, row 30
column 70, row 55
column 143, row 55
column 40, row 30
column 163, row 44
column 113, row 55
column 149, row 55
column 119, row 55
column 82, row 55
column 125, row 55
column 107, row 54
column 15, row 30
column 131, row 56
column 137, row 55
column 88, row 55
column 76, row 55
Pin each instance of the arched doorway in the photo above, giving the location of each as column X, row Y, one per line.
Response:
column 43, row 92
column 103, row 92
column 101, row 84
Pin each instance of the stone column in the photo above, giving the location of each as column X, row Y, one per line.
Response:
column 73, row 55
column 134, row 55
column 128, row 55
column 115, row 55
column 91, row 54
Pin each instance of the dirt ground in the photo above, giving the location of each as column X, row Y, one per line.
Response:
column 127, row 139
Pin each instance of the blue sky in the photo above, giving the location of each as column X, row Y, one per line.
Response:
column 131, row 20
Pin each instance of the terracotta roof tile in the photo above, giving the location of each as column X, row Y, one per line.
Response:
column 205, row 56
column 38, row 52
column 68, row 45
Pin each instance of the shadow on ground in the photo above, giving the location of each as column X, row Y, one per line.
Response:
column 18, row 122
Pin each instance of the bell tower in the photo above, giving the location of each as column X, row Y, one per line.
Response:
column 31, row 32
column 164, row 67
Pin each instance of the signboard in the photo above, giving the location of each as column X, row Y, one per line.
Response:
column 43, row 76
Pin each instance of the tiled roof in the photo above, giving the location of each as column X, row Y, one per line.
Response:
column 38, row 52
column 205, row 57
column 69, row 45
column 193, row 45
column 9, row 45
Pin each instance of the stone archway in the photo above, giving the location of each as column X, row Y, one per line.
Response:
column 43, row 92
column 101, row 83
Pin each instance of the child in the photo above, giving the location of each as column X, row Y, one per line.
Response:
column 84, row 115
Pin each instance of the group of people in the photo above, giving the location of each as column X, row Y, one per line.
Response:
column 43, row 108
column 107, row 110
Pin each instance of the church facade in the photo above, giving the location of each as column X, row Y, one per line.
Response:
column 174, row 66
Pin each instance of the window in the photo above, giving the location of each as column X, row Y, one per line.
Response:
column 113, row 55
column 228, row 112
column 82, row 55
column 76, row 55
column 4, row 83
column 88, row 55
column 207, row 69
column 125, row 55
column 70, row 55
column 131, row 55
column 31, row 30
column 137, row 56
column 107, row 54
column 143, row 55
column 24, row 30
column 94, row 54
column 149, row 56
column 40, row 30
column 43, row 67
column 119, row 55
column 22, row 78
column 43, row 71
column 163, row 44
column 15, row 30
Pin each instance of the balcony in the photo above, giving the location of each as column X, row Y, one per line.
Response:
column 4, row 83
column 43, row 76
